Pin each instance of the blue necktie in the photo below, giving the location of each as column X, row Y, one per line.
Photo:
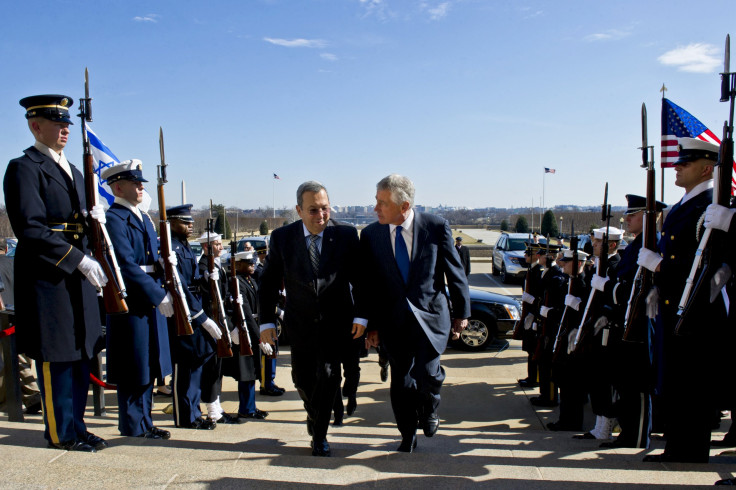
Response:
column 402, row 255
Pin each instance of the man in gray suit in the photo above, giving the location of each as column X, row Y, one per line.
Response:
column 315, row 260
column 408, row 258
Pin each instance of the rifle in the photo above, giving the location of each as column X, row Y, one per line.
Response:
column 217, row 309
column 113, row 293
column 246, row 349
column 182, row 315
column 708, row 258
column 602, row 268
column 557, row 347
column 636, row 328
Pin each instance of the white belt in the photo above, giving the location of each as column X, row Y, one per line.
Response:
column 148, row 269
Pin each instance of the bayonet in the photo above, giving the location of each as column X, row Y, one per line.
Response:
column 162, row 167
column 726, row 75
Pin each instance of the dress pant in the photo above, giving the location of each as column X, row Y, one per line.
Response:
column 268, row 371
column 187, row 390
column 211, row 381
column 135, row 403
column 416, row 378
column 64, row 387
column 247, row 397
column 317, row 381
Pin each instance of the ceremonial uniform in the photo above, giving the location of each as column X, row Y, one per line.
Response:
column 56, row 308
column 138, row 341
column 531, row 299
column 551, row 305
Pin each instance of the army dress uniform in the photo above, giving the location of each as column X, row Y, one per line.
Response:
column 531, row 298
column 138, row 341
column 56, row 308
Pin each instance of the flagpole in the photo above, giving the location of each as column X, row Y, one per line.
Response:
column 663, row 90
column 544, row 174
column 273, row 197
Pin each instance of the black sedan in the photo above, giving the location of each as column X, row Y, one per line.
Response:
column 492, row 316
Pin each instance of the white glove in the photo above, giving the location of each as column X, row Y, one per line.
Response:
column 266, row 348
column 528, row 321
column 172, row 260
column 235, row 336
column 166, row 307
column 93, row 272
column 527, row 298
column 534, row 326
column 571, row 340
column 215, row 276
column 718, row 217
column 599, row 282
column 599, row 325
column 572, row 301
column 212, row 328
column 648, row 259
column 98, row 213
column 543, row 310
column 653, row 303
column 239, row 299
column 280, row 313
column 719, row 279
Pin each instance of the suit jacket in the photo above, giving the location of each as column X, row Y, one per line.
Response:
column 57, row 312
column 319, row 309
column 138, row 341
column 434, row 264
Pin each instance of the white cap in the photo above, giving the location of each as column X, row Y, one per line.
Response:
column 213, row 237
column 614, row 234
column 249, row 257
column 127, row 170
column 567, row 254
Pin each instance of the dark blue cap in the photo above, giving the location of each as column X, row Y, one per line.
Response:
column 639, row 203
column 52, row 107
column 182, row 213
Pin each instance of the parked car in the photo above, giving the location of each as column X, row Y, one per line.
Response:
column 492, row 316
column 196, row 248
column 12, row 242
column 258, row 242
column 508, row 255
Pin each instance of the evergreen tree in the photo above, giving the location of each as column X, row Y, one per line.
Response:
column 263, row 230
column 222, row 225
column 504, row 225
column 549, row 224
column 521, row 225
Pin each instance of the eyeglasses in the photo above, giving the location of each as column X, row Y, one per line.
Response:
column 318, row 211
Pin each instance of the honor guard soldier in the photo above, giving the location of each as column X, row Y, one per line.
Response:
column 552, row 297
column 684, row 362
column 267, row 376
column 56, row 280
column 531, row 297
column 212, row 370
column 189, row 352
column 138, row 341
column 246, row 369
column 630, row 361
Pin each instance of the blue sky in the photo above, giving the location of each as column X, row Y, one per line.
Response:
column 469, row 98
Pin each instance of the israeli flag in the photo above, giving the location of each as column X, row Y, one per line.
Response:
column 104, row 158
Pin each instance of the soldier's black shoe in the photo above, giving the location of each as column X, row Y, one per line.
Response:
column 727, row 481
column 201, row 424
column 34, row 409
column 258, row 414
column 384, row 372
column 528, row 383
column 226, row 418
column 321, row 448
column 164, row 434
column 351, row 406
column 557, row 426
column 408, row 444
column 538, row 401
column 273, row 391
column 73, row 446
column 96, row 442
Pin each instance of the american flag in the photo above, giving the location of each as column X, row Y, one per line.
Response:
column 276, row 177
column 678, row 123
column 549, row 170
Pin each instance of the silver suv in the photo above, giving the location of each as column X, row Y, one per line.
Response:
column 508, row 255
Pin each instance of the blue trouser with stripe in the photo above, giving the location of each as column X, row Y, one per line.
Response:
column 64, row 387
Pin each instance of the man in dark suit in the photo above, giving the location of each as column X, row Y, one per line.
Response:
column 138, row 341
column 315, row 260
column 687, row 379
column 464, row 254
column 57, row 314
column 408, row 258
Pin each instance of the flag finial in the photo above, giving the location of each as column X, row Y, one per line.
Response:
column 663, row 90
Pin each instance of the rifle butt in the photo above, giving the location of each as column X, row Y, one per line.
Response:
column 223, row 348
column 245, row 348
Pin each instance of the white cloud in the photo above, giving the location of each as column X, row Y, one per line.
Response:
column 609, row 35
column 379, row 8
column 528, row 13
column 147, row 18
column 328, row 56
column 696, row 58
column 296, row 43
column 438, row 12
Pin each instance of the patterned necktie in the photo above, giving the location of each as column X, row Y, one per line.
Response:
column 402, row 255
column 314, row 253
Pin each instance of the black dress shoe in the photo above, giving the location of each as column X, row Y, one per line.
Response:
column 727, row 481
column 666, row 458
column 271, row 391
column 149, row 434
column 226, row 418
column 430, row 424
column 201, row 424
column 351, row 406
column 34, row 409
column 73, row 446
column 528, row 383
column 258, row 414
column 164, row 434
column 557, row 426
column 725, row 442
column 321, row 448
column 384, row 373
column 538, row 401
column 96, row 442
column 337, row 422
column 587, row 435
column 408, row 444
